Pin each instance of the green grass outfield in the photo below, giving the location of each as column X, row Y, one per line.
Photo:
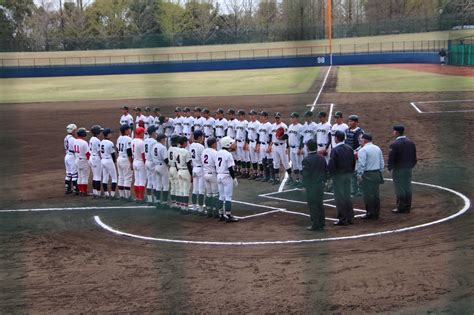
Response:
column 184, row 84
column 368, row 79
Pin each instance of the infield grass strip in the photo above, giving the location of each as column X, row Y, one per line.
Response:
column 168, row 85
column 367, row 79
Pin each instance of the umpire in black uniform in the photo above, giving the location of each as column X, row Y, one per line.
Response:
column 401, row 161
column 314, row 178
column 341, row 168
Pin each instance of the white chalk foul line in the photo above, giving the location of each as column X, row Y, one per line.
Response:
column 77, row 208
column 413, row 104
column 464, row 209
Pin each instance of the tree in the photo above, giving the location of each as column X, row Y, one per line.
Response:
column 201, row 19
column 267, row 18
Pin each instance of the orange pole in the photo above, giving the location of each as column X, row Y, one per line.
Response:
column 329, row 23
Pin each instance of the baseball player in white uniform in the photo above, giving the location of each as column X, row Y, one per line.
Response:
column 226, row 179
column 252, row 136
column 199, row 188
column 208, row 124
column 178, row 121
column 243, row 155
column 82, row 155
column 168, row 129
column 220, row 125
column 160, row 158
column 139, row 172
column 231, row 129
column 124, row 162
column 264, row 148
column 107, row 153
column 148, row 120
column 294, row 141
column 185, row 172
column 95, row 160
column 156, row 121
column 188, row 121
column 126, row 118
column 308, row 131
column 138, row 117
column 210, row 177
column 69, row 160
column 151, row 175
column 323, row 136
column 339, row 125
column 198, row 119
column 279, row 149
column 173, row 172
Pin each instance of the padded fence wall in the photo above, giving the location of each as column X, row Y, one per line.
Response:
column 257, row 63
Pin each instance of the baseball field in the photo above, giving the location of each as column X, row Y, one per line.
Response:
column 65, row 254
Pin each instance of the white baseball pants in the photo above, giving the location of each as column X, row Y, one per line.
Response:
column 296, row 159
column 108, row 170
column 174, row 181
column 70, row 165
column 242, row 155
column 96, row 166
column 150, row 175
column 279, row 156
column 83, row 171
column 225, row 185
column 140, row 173
column 199, row 187
column 184, row 183
column 162, row 177
column 254, row 156
column 125, row 173
column 210, row 181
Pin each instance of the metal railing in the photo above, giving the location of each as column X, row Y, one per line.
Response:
column 222, row 55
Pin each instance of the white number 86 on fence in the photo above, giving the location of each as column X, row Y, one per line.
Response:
column 321, row 59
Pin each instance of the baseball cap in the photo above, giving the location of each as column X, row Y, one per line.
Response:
column 187, row 109
column 264, row 114
column 220, row 111
column 147, row 109
column 295, row 115
column 156, row 109
column 253, row 112
column 308, row 114
column 138, row 109
column 96, row 129
column 338, row 115
column 124, row 107
column 197, row 109
column 241, row 112
column 139, row 131
column 322, row 114
column 206, row 111
column 354, row 118
column 277, row 115
column 151, row 130
column 82, row 132
column 231, row 112
column 198, row 133
column 106, row 132
column 178, row 110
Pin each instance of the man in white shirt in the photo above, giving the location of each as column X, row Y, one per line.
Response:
column 150, row 144
column 139, row 172
column 138, row 116
column 124, row 162
column 253, row 131
column 323, row 136
column 208, row 124
column 126, row 118
column 308, row 131
column 185, row 172
column 107, row 152
column 264, row 148
column 95, row 160
column 196, row 149
column 210, row 177
column 220, row 125
column 339, row 125
column 243, row 156
column 82, row 155
column 160, row 159
column 279, row 149
column 178, row 121
column 294, row 141
column 69, row 160
column 188, row 121
column 226, row 179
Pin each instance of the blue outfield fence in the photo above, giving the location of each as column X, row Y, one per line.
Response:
column 241, row 64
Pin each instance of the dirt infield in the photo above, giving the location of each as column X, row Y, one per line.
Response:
column 438, row 69
column 62, row 261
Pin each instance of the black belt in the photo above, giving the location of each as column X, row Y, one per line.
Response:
column 322, row 145
column 211, row 173
column 372, row 171
column 276, row 144
column 71, row 151
column 293, row 146
column 263, row 143
column 198, row 166
column 240, row 140
column 252, row 140
column 218, row 137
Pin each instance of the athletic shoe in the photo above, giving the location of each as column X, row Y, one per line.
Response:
column 222, row 218
column 230, row 219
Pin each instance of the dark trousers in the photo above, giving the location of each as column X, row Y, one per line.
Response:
column 403, row 191
column 342, row 196
column 371, row 189
column 315, row 197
